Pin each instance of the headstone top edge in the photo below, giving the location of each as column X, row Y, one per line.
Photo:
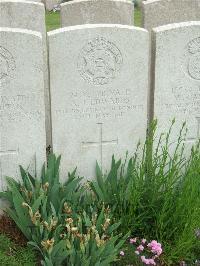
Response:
column 22, row 1
column 174, row 26
column 95, row 26
column 80, row 1
column 151, row 2
column 19, row 30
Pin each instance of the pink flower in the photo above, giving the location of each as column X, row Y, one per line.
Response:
column 140, row 248
column 152, row 262
column 144, row 260
column 144, row 241
column 133, row 240
column 121, row 253
column 147, row 261
column 155, row 247
column 137, row 252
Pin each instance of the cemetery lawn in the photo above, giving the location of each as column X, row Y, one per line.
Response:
column 53, row 19
column 15, row 255
column 138, row 17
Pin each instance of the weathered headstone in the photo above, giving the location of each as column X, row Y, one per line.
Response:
column 156, row 13
column 97, row 12
column 99, row 81
column 177, row 78
column 22, row 114
column 31, row 16
column 23, row 14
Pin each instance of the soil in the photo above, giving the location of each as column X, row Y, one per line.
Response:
column 9, row 228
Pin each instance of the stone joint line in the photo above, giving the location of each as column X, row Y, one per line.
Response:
column 100, row 143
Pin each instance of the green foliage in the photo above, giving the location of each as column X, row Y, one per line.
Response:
column 158, row 196
column 42, row 207
column 129, row 258
column 44, row 197
column 155, row 195
column 167, row 205
column 113, row 190
column 13, row 255
column 86, row 241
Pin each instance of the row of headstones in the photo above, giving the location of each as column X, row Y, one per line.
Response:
column 89, row 6
column 154, row 12
column 98, row 86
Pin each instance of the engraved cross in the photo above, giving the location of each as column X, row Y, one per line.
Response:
column 100, row 143
column 5, row 153
column 193, row 139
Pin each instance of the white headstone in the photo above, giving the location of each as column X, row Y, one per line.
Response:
column 31, row 16
column 161, row 12
column 177, row 78
column 23, row 14
column 22, row 115
column 97, row 12
column 99, row 81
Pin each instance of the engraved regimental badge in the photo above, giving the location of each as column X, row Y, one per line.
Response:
column 99, row 61
column 7, row 64
column 193, row 50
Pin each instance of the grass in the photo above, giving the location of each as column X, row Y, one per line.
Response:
column 13, row 255
column 53, row 19
column 137, row 17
